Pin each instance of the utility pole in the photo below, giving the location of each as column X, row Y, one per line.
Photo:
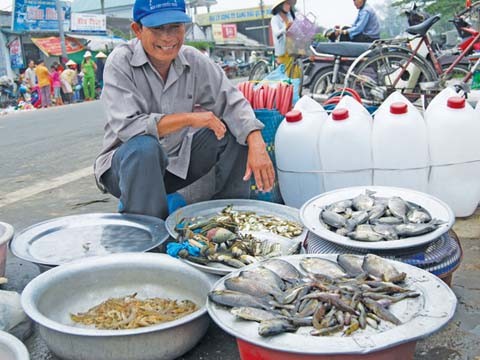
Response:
column 263, row 23
column 61, row 32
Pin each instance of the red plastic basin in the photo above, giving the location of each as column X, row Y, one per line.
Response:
column 249, row 351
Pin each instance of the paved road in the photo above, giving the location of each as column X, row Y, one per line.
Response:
column 45, row 172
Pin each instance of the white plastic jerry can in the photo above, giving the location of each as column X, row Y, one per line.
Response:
column 453, row 129
column 298, row 162
column 345, row 146
column 400, row 145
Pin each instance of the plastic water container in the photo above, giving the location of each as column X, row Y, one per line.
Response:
column 400, row 145
column 453, row 129
column 442, row 97
column 345, row 146
column 298, row 162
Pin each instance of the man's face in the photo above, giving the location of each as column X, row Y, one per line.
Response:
column 31, row 64
column 162, row 43
column 358, row 3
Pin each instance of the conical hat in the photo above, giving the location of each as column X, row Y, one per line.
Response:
column 278, row 2
column 101, row 55
column 70, row 62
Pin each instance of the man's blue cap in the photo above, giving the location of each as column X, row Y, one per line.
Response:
column 153, row 13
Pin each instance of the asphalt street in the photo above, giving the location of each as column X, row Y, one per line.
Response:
column 46, row 172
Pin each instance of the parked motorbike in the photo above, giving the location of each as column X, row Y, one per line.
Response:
column 230, row 68
column 7, row 92
column 243, row 68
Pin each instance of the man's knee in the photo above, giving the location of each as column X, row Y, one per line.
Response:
column 144, row 150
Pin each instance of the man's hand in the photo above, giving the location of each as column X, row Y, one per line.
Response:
column 207, row 119
column 259, row 162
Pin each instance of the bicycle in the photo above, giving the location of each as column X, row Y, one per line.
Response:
column 397, row 65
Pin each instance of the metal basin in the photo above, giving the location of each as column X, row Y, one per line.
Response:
column 50, row 298
column 11, row 348
column 6, row 234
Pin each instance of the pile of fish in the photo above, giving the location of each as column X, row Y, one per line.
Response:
column 225, row 237
column 243, row 221
column 332, row 297
column 372, row 218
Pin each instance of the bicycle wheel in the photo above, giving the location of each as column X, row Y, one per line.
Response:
column 258, row 71
column 374, row 78
column 456, row 76
column 322, row 84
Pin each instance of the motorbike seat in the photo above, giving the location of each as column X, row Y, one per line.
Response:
column 343, row 48
column 422, row 28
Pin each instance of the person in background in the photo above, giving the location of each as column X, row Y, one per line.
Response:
column 155, row 143
column 56, row 84
column 280, row 23
column 101, row 57
column 69, row 80
column 88, row 68
column 43, row 77
column 253, row 57
column 366, row 27
column 30, row 76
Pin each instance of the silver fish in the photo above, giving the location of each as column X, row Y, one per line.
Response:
column 318, row 266
column 357, row 218
column 387, row 220
column 378, row 210
column 352, row 264
column 237, row 299
column 263, row 274
column 398, row 207
column 253, row 314
column 365, row 233
column 333, row 219
column 274, row 327
column 407, row 230
column 364, row 201
column 283, row 269
column 418, row 216
column 342, row 231
column 381, row 269
column 340, row 206
column 252, row 287
column 387, row 231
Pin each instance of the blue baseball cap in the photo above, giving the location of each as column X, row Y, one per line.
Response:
column 153, row 13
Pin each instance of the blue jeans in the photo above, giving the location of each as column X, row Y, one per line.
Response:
column 138, row 175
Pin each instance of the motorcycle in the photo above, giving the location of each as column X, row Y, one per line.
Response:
column 230, row 67
column 243, row 68
column 7, row 92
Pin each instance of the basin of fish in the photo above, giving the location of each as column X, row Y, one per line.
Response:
column 377, row 217
column 233, row 238
column 328, row 304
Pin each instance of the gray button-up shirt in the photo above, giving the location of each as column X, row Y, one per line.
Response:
column 136, row 98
